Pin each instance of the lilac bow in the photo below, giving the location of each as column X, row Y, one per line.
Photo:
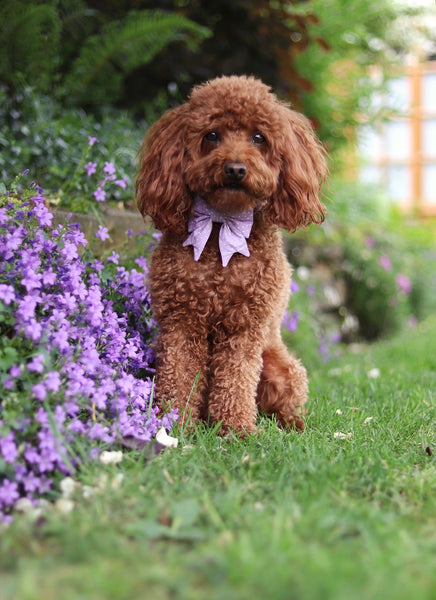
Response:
column 234, row 230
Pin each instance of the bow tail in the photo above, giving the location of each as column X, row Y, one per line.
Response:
column 231, row 241
column 200, row 229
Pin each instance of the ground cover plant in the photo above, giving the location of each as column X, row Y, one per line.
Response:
column 75, row 354
column 345, row 510
column 67, row 149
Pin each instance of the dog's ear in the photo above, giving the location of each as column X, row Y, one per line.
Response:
column 303, row 170
column 161, row 192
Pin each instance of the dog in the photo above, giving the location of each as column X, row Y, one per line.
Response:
column 219, row 176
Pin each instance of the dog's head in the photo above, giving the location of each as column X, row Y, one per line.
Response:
column 238, row 147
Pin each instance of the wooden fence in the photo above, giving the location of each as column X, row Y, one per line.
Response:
column 401, row 154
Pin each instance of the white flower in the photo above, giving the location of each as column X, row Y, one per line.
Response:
column 117, row 481
column 24, row 505
column 67, row 486
column 64, row 506
column 88, row 492
column 110, row 458
column 374, row 373
column 339, row 435
column 303, row 273
column 339, row 412
column 166, row 440
column 102, row 482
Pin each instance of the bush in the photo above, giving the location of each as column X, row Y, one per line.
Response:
column 371, row 273
column 75, row 351
column 54, row 144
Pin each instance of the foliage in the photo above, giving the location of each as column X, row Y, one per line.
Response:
column 257, row 37
column 119, row 48
column 31, row 37
column 312, row 515
column 341, row 84
column 314, row 54
column 75, row 353
column 85, row 65
column 54, row 143
column 93, row 54
column 365, row 274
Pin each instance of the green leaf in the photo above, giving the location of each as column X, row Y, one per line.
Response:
column 121, row 47
column 8, row 358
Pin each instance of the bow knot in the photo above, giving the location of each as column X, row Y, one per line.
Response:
column 234, row 231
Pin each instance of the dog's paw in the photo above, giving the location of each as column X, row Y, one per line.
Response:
column 292, row 421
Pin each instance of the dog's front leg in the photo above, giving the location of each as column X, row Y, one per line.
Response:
column 235, row 368
column 181, row 372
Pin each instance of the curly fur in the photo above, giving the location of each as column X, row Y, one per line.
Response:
column 219, row 324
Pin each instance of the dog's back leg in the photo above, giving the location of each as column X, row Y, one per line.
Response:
column 283, row 386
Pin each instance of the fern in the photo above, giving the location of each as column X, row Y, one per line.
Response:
column 29, row 44
column 121, row 47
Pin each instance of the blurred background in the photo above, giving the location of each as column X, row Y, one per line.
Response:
column 81, row 81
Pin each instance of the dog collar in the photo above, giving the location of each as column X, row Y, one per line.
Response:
column 234, row 231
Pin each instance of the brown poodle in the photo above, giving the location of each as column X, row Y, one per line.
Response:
column 219, row 176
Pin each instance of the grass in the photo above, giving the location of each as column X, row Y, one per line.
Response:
column 277, row 515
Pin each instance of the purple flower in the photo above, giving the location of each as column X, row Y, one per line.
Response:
column 31, row 455
column 290, row 320
column 48, row 277
column 141, row 262
column 122, row 183
column 8, row 492
column 15, row 371
column 52, row 381
column 69, row 251
column 33, row 330
column 39, row 391
column 7, row 293
column 385, row 262
column 90, row 168
column 92, row 140
column 26, row 307
column 36, row 365
column 31, row 280
column 294, row 287
column 310, row 290
column 8, row 383
column 403, row 283
column 109, row 168
column 31, row 482
column 8, row 448
column 113, row 258
column 100, row 194
column 102, row 233
column 44, row 216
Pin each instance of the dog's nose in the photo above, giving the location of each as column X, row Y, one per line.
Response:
column 235, row 171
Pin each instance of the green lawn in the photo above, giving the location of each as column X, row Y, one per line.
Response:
column 278, row 515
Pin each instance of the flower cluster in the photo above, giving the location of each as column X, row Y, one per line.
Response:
column 75, row 356
column 307, row 298
column 109, row 175
column 90, row 179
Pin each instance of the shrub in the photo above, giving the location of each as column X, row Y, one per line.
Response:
column 54, row 144
column 372, row 272
column 75, row 354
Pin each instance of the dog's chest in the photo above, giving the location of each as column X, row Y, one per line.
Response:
column 209, row 288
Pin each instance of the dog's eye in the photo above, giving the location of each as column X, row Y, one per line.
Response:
column 258, row 139
column 212, row 137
